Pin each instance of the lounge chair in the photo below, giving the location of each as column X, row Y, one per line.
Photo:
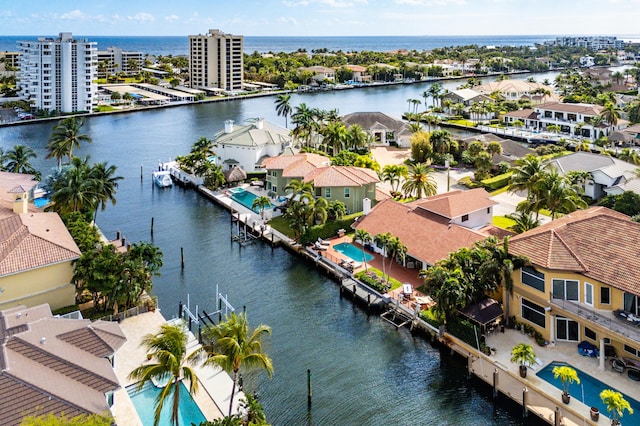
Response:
column 318, row 246
column 323, row 242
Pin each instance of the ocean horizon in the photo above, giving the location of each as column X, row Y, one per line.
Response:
column 178, row 45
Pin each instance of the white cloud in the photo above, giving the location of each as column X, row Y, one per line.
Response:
column 141, row 17
column 171, row 18
column 287, row 20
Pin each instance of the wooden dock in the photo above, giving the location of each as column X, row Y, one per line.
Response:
column 362, row 294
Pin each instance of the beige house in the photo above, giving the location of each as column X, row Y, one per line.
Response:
column 384, row 130
column 514, row 90
column 584, row 276
column 36, row 250
column 360, row 74
column 55, row 365
column 319, row 73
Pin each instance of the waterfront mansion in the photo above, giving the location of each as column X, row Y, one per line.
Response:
column 583, row 281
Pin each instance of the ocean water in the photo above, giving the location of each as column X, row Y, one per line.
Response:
column 178, row 45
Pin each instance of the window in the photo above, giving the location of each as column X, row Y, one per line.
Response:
column 567, row 329
column 533, row 313
column 605, row 295
column 631, row 350
column 488, row 210
column 589, row 333
column 327, row 193
column 465, row 217
column 347, row 192
column 274, row 188
column 631, row 303
column 532, row 278
column 565, row 289
column 588, row 294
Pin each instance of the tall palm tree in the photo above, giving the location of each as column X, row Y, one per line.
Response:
column 168, row 350
column 395, row 250
column 420, row 182
column 556, row 194
column 500, row 265
column 318, row 211
column 65, row 137
column 610, row 114
column 203, row 146
column 304, row 122
column 106, row 183
column 382, row 241
column 283, row 107
column 434, row 91
column 356, row 137
column 232, row 345
column 17, row 160
column 442, row 141
column 364, row 238
column 75, row 191
column 526, row 174
column 335, row 135
column 394, row 173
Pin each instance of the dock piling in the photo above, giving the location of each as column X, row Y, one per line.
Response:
column 495, row 383
column 182, row 257
column 309, row 392
column 152, row 219
column 141, row 171
column 525, row 411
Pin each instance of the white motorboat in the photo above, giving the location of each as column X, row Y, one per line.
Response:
column 162, row 178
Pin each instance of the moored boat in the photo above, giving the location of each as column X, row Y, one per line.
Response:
column 162, row 178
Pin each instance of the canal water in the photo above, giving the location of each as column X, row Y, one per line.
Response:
column 364, row 371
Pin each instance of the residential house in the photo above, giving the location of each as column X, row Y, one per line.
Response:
column 608, row 174
column 359, row 73
column 350, row 185
column 319, row 73
column 432, row 228
column 583, row 268
column 466, row 97
column 384, row 129
column 512, row 151
column 573, row 119
column 55, row 365
column 633, row 132
column 515, row 90
column 36, row 250
column 247, row 145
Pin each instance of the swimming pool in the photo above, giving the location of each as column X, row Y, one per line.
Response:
column 592, row 388
column 144, row 401
column 246, row 198
column 353, row 252
column 40, row 202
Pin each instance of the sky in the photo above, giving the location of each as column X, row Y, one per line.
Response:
column 319, row 17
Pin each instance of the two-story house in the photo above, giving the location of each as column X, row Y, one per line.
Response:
column 432, row 228
column 55, row 365
column 348, row 184
column 583, row 267
column 36, row 250
column 245, row 146
column 319, row 73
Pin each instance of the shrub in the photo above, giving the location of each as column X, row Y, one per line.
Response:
column 328, row 229
column 373, row 281
column 497, row 182
column 466, row 181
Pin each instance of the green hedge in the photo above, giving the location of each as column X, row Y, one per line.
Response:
column 329, row 229
column 463, row 330
column 466, row 181
column 497, row 182
column 373, row 281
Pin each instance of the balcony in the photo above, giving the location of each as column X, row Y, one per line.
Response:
column 605, row 319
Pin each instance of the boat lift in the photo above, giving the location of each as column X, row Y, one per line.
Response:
column 197, row 318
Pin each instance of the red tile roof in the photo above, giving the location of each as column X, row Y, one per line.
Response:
column 428, row 237
column 296, row 166
column 586, row 109
column 598, row 243
column 456, row 203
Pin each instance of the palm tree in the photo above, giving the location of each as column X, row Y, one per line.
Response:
column 336, row 210
column 203, row 146
column 394, row 173
column 356, row 137
column 616, row 404
column 610, row 114
column 434, row 91
column 303, row 189
column 283, row 108
column 395, row 250
column 364, row 238
column 442, row 141
column 74, row 190
column 500, row 265
column 168, row 349
column 524, row 222
column 261, row 203
column 232, row 345
column 305, row 124
column 17, row 160
column 525, row 175
column 555, row 193
column 425, row 96
column 65, row 137
column 523, row 354
column 567, row 376
column 420, row 181
column 106, row 184
column 382, row 241
column 318, row 211
column 335, row 135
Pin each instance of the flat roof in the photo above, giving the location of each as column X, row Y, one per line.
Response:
column 125, row 88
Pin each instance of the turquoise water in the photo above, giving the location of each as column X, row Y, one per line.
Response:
column 592, row 388
column 40, row 202
column 246, row 199
column 144, row 401
column 353, row 252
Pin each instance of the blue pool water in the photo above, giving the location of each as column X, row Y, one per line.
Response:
column 592, row 389
column 245, row 198
column 144, row 401
column 353, row 252
column 40, row 202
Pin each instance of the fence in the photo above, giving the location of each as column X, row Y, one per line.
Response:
column 132, row 312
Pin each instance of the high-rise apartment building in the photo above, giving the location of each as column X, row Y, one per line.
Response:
column 58, row 74
column 115, row 60
column 215, row 61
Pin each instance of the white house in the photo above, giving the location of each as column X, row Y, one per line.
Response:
column 247, row 145
column 385, row 130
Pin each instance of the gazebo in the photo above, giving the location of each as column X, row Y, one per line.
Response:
column 235, row 174
column 485, row 313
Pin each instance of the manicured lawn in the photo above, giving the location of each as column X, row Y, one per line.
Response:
column 503, row 222
column 500, row 190
column 394, row 283
column 467, row 123
column 281, row 225
column 105, row 108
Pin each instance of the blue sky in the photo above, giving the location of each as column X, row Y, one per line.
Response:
column 320, row 17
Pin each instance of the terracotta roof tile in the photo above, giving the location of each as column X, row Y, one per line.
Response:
column 336, row 176
column 456, row 203
column 295, row 166
column 598, row 243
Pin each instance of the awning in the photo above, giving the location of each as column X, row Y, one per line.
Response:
column 483, row 312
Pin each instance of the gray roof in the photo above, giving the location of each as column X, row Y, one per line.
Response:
column 257, row 133
column 370, row 120
column 582, row 161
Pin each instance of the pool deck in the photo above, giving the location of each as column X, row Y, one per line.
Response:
column 215, row 385
column 512, row 384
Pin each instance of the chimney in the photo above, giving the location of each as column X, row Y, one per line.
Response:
column 20, row 200
column 259, row 123
column 228, row 126
column 366, row 206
